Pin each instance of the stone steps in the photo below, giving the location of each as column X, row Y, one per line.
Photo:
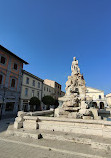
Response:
column 94, row 141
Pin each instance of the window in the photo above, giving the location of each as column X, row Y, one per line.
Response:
column 9, row 106
column 32, row 93
column 13, row 83
column 27, row 80
column 1, row 77
column 38, row 94
column 15, row 66
column 99, row 96
column 38, row 84
column 44, row 88
column 26, row 91
column 3, row 60
column 33, row 83
column 47, row 89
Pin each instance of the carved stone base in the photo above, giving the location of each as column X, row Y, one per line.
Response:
column 18, row 125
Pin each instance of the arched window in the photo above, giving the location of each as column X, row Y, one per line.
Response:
column 13, row 83
column 1, row 78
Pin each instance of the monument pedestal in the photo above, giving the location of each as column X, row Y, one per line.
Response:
column 30, row 123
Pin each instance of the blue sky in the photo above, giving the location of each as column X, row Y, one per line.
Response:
column 49, row 33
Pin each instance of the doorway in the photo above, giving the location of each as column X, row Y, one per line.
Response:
column 101, row 105
column 95, row 105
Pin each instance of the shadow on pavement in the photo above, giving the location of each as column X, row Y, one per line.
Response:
column 4, row 123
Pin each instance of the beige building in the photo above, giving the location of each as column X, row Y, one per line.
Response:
column 48, row 90
column 97, row 97
column 62, row 93
column 56, row 86
column 32, row 86
column 108, row 99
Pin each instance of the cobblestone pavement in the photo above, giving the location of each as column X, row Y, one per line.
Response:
column 13, row 150
column 17, row 147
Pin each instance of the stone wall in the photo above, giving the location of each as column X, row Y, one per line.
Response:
column 78, row 126
column 89, row 127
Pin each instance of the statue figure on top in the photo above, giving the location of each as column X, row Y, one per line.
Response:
column 74, row 67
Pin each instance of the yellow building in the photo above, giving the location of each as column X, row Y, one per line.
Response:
column 48, row 90
column 32, row 86
column 97, row 97
column 56, row 86
column 108, row 99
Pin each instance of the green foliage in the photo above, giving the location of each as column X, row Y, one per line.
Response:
column 34, row 101
column 48, row 100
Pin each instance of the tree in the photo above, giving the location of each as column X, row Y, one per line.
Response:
column 48, row 100
column 34, row 104
column 56, row 103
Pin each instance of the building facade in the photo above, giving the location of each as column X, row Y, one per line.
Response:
column 97, row 97
column 108, row 99
column 48, row 90
column 32, row 86
column 62, row 93
column 10, row 81
column 56, row 86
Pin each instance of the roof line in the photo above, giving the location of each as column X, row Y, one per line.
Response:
column 108, row 93
column 53, row 81
column 26, row 72
column 94, row 88
column 8, row 51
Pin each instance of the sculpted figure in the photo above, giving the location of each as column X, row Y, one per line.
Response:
column 74, row 67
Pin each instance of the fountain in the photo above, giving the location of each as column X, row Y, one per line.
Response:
column 73, row 116
column 74, row 103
